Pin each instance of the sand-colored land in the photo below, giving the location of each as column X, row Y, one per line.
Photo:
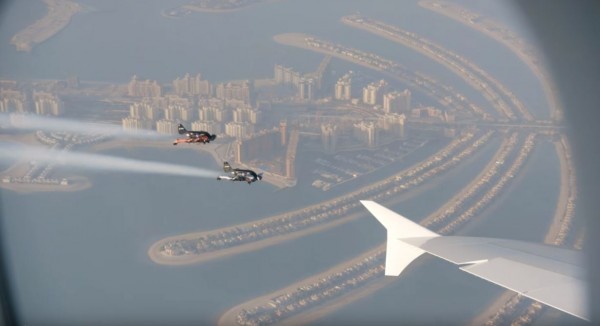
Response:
column 76, row 183
column 21, row 167
column 503, row 35
column 58, row 17
column 156, row 256
column 221, row 6
column 229, row 318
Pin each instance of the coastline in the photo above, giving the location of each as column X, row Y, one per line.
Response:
column 228, row 318
column 491, row 28
column 316, row 313
column 422, row 83
column 78, row 183
column 56, row 19
column 276, row 239
column 492, row 308
column 20, row 167
column 311, row 315
column 319, row 312
column 196, row 8
column 563, row 198
column 245, row 4
column 158, row 258
column 219, row 153
column 471, row 73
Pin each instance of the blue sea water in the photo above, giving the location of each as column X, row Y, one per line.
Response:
column 239, row 45
column 90, row 247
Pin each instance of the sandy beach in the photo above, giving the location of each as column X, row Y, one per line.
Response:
column 320, row 311
column 194, row 7
column 58, row 17
column 465, row 69
column 520, row 48
column 561, row 204
column 229, row 317
column 157, row 257
column 461, row 194
column 297, row 40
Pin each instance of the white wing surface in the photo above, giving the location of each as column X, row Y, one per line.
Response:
column 550, row 275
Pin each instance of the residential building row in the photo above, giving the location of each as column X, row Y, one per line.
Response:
column 42, row 103
column 373, row 94
column 188, row 86
column 213, row 115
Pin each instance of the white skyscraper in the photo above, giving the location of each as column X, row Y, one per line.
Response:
column 343, row 88
column 373, row 93
column 397, row 102
column 167, row 127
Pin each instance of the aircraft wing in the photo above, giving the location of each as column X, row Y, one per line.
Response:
column 550, row 275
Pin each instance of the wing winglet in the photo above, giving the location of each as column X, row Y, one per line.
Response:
column 398, row 253
column 554, row 278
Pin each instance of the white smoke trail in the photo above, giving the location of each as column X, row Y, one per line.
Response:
column 36, row 122
column 10, row 152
